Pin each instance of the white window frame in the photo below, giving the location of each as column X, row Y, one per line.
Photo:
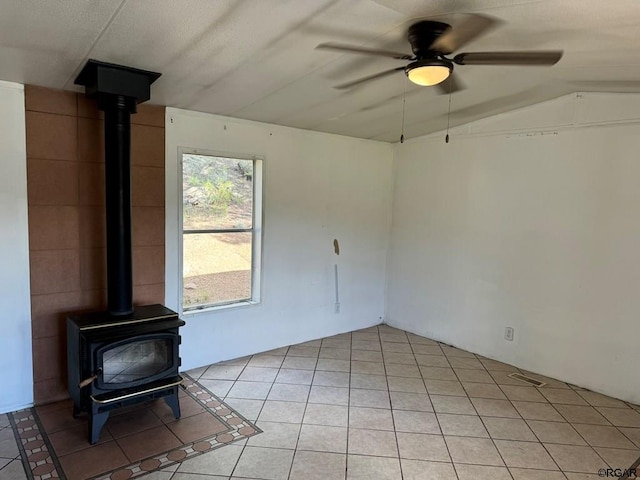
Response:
column 257, row 223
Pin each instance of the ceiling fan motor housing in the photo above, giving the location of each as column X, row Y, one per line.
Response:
column 422, row 35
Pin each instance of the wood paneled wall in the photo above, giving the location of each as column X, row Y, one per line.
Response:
column 65, row 182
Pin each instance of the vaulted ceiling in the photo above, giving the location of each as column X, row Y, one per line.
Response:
column 256, row 59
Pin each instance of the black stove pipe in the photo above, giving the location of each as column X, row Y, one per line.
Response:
column 118, row 89
column 117, row 139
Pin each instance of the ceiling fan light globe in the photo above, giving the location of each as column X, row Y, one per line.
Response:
column 428, row 73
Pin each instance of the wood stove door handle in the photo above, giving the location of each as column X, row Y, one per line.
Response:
column 89, row 380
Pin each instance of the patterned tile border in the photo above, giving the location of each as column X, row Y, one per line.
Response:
column 38, row 459
column 41, row 463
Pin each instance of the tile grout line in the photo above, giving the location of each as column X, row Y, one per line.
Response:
column 256, row 421
column 453, row 464
column 434, row 408
column 637, row 444
column 552, row 443
column 346, row 456
column 609, row 425
column 561, row 415
column 481, row 421
column 393, row 420
column 575, row 429
column 529, row 427
column 304, row 411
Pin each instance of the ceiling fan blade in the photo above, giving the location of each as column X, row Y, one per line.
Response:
column 451, row 85
column 375, row 76
column 540, row 57
column 473, row 26
column 363, row 51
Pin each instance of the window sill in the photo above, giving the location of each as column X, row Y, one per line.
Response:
column 218, row 308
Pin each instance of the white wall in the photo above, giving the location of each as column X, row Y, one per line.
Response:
column 317, row 187
column 529, row 219
column 16, row 375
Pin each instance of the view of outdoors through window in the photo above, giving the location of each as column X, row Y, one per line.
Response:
column 217, row 229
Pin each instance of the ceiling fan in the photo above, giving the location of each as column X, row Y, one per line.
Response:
column 432, row 41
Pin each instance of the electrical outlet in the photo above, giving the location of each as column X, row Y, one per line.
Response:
column 508, row 333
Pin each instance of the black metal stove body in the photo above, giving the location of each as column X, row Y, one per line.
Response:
column 119, row 361
column 124, row 355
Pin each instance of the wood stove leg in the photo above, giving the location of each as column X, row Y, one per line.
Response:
column 96, row 422
column 76, row 411
column 174, row 403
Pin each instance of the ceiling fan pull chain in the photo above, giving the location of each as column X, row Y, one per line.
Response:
column 404, row 102
column 446, row 139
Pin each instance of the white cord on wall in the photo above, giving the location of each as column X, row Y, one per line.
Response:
column 337, row 308
column 336, row 250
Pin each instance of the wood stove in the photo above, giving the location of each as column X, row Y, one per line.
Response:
column 122, row 356
column 119, row 361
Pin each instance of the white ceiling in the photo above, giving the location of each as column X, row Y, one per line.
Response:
column 255, row 59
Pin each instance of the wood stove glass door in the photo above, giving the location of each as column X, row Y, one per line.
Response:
column 136, row 361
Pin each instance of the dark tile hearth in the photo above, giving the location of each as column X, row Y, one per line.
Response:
column 135, row 441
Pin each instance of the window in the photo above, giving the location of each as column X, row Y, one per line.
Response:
column 221, row 230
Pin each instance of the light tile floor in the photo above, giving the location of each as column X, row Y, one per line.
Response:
column 10, row 463
column 381, row 404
